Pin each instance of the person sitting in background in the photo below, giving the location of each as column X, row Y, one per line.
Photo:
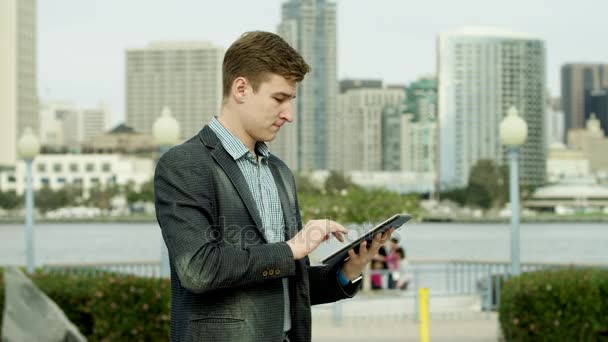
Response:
column 376, row 274
column 392, row 262
column 404, row 276
column 382, row 267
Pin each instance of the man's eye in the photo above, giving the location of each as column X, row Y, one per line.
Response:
column 278, row 99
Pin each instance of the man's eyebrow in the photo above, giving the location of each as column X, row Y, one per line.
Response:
column 284, row 94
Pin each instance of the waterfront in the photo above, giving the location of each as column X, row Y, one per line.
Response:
column 73, row 243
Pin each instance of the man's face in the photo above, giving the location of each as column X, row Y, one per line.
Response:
column 266, row 110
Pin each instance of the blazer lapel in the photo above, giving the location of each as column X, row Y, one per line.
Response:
column 288, row 215
column 234, row 174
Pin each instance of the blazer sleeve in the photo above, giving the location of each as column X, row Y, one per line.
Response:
column 325, row 288
column 202, row 261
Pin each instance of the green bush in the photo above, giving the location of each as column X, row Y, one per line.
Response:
column 356, row 205
column 563, row 305
column 109, row 307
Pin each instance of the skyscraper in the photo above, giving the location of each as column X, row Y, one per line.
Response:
column 418, row 139
column 18, row 95
column 596, row 102
column 579, row 82
column 361, row 117
column 66, row 125
column 554, row 122
column 310, row 27
column 348, row 84
column 483, row 72
column 94, row 122
column 593, row 142
column 409, row 129
column 185, row 76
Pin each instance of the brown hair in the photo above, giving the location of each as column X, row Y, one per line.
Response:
column 257, row 54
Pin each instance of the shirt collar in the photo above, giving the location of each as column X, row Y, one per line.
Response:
column 233, row 145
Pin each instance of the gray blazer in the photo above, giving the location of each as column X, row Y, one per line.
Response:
column 225, row 277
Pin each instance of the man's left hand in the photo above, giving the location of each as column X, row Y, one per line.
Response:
column 356, row 262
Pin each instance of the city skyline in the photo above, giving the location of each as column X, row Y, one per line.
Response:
column 367, row 31
column 483, row 73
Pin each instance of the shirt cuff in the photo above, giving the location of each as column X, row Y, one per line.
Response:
column 341, row 278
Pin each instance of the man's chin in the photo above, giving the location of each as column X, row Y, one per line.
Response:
column 267, row 138
column 271, row 135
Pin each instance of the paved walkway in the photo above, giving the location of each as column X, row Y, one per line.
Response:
column 483, row 328
column 380, row 319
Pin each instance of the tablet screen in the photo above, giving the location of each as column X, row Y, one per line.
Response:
column 341, row 254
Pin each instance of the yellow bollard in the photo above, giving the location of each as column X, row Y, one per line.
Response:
column 423, row 314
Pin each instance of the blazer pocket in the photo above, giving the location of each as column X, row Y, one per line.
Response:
column 215, row 329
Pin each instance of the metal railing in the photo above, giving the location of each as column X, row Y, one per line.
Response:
column 457, row 277
column 141, row 269
column 443, row 278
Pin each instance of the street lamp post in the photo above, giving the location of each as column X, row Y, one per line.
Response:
column 166, row 134
column 29, row 147
column 513, row 133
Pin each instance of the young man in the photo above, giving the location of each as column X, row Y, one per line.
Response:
column 228, row 212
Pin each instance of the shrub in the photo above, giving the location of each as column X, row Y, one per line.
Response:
column 107, row 306
column 563, row 305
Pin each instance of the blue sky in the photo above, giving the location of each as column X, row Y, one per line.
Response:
column 81, row 44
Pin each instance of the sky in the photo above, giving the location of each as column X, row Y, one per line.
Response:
column 81, row 44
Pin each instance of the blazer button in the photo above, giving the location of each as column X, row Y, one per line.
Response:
column 265, row 273
column 277, row 271
column 271, row 272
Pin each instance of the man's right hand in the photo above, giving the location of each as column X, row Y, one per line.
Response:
column 311, row 236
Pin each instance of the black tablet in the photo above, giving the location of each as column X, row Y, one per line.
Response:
column 340, row 255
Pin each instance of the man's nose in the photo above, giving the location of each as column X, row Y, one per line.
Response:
column 287, row 113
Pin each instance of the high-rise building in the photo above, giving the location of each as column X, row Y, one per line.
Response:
column 94, row 122
column 310, row 27
column 596, row 102
column 579, row 81
column 483, row 72
column 52, row 130
column 593, row 142
column 18, row 94
column 359, row 141
column 63, row 124
column 418, row 140
column 554, row 122
column 348, row 84
column 184, row 76
column 409, row 129
column 391, row 136
column 72, row 125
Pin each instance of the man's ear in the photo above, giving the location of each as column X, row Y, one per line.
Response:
column 239, row 89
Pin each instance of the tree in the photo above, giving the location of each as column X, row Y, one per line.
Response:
column 486, row 186
column 304, row 185
column 478, row 196
column 10, row 200
column 336, row 182
column 458, row 195
column 47, row 199
column 74, row 194
column 146, row 192
column 101, row 196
